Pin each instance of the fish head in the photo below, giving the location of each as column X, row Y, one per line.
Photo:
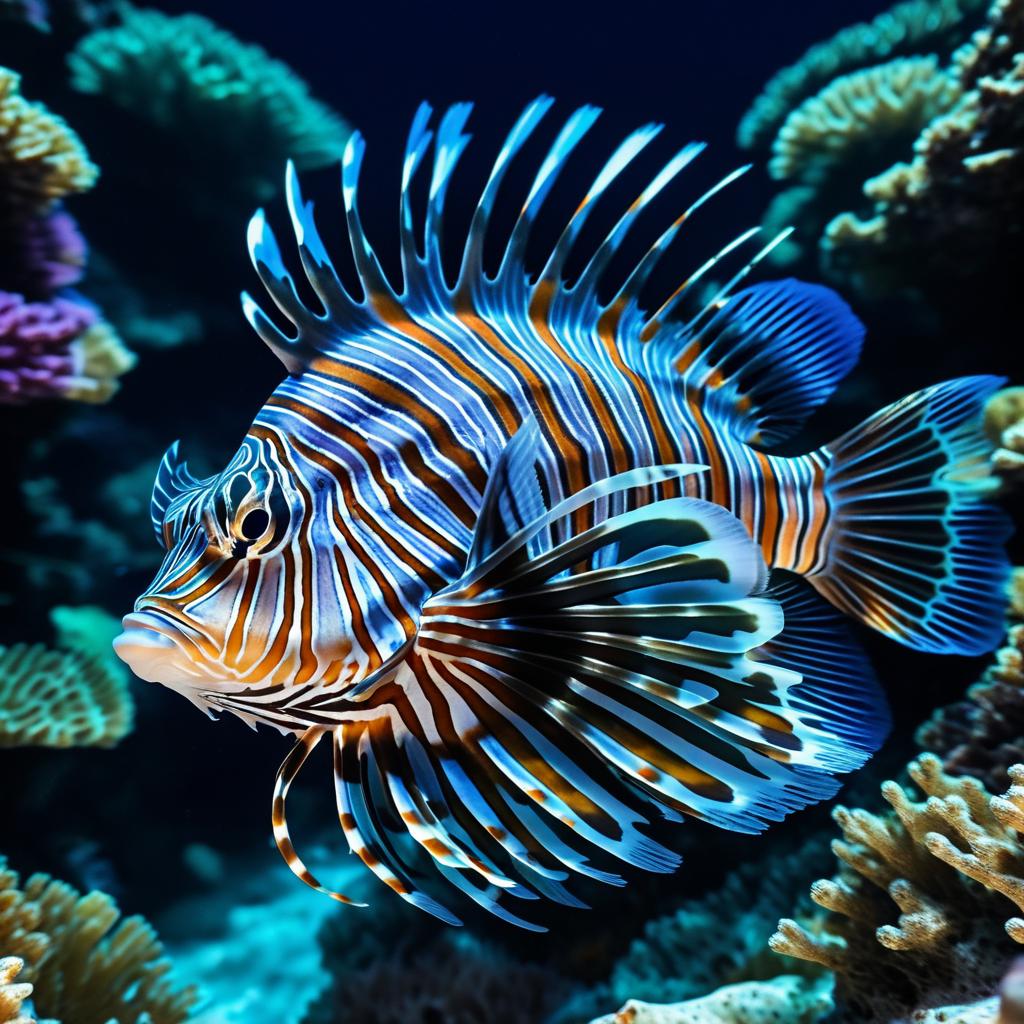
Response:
column 242, row 605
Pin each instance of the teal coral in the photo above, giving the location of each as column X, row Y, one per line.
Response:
column 860, row 114
column 61, row 699
column 912, row 27
column 192, row 78
column 955, row 207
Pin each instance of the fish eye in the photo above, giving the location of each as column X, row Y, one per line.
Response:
column 254, row 525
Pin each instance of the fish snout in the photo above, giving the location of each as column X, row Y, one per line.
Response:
column 148, row 647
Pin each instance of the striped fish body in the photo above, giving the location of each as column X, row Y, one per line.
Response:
column 406, row 434
column 508, row 544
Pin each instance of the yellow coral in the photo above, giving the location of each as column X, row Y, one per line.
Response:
column 12, row 992
column 41, row 158
column 60, row 699
column 85, row 964
column 1004, row 425
column 929, row 882
column 868, row 109
column 19, row 921
column 100, row 358
column 100, row 968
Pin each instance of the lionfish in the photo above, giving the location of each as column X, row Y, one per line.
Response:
column 523, row 553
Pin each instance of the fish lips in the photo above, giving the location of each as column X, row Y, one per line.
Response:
column 149, row 649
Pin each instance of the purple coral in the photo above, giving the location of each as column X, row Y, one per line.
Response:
column 37, row 359
column 42, row 253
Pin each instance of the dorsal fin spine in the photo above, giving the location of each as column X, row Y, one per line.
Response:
column 571, row 133
column 471, row 268
column 510, row 296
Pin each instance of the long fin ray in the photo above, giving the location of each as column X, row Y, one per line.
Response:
column 538, row 692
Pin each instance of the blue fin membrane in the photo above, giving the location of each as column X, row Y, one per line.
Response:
column 770, row 356
column 915, row 551
column 600, row 665
column 838, row 684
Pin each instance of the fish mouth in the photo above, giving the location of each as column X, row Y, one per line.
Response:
column 149, row 646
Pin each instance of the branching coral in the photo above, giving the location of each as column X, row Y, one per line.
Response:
column 955, row 208
column 214, row 92
column 983, row 735
column 859, row 115
column 60, row 699
column 12, row 992
column 912, row 27
column 926, row 902
column 41, row 158
column 86, row 965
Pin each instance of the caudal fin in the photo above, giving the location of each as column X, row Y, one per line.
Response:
column 915, row 551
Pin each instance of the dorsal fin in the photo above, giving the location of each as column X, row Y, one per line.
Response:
column 532, row 313
column 770, row 355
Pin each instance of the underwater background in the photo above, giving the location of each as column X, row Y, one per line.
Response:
column 135, row 143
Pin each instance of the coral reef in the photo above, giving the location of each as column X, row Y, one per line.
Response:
column 55, row 347
column 42, row 254
column 983, row 734
column 912, row 27
column 923, row 912
column 85, row 964
column 1004, row 424
column 41, row 158
column 12, row 992
column 60, row 699
column 89, row 630
column 860, row 117
column 787, row 999
column 955, row 208
column 218, row 95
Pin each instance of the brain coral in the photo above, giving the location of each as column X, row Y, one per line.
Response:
column 60, row 699
column 216, row 94
column 41, row 158
column 85, row 964
column 924, row 910
column 912, row 27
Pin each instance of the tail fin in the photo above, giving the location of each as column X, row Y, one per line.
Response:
column 914, row 551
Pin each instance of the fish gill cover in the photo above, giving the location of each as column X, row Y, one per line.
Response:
column 559, row 559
